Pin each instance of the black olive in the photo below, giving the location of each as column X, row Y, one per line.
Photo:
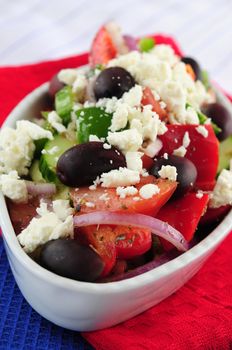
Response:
column 221, row 116
column 186, row 172
column 69, row 259
column 113, row 81
column 195, row 66
column 81, row 164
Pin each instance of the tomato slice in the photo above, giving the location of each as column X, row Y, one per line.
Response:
column 149, row 99
column 131, row 241
column 22, row 213
column 184, row 214
column 102, row 49
column 148, row 162
column 202, row 151
column 86, row 201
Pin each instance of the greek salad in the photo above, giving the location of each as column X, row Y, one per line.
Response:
column 131, row 158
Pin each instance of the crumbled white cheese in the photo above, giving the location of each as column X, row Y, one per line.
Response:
column 106, row 146
column 33, row 130
column 162, row 71
column 45, row 228
column 62, row 209
column 17, row 146
column 136, row 199
column 168, row 172
column 222, row 193
column 120, row 117
column 152, row 148
column 13, row 188
column 79, row 86
column 148, row 191
column 165, row 156
column 67, row 76
column 56, row 122
column 120, row 177
column 201, row 129
column 199, row 194
column 180, row 151
column 126, row 140
column 186, row 139
column 133, row 97
column 95, row 184
column 134, row 161
column 96, row 138
column 123, row 192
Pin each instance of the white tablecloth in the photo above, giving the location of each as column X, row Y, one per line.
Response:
column 36, row 30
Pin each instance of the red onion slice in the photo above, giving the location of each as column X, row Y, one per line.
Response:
column 157, row 227
column 40, row 189
column 158, row 261
column 131, row 42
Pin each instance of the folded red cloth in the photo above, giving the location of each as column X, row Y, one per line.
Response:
column 199, row 315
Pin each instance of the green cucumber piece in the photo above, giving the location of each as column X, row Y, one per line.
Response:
column 64, row 103
column 92, row 121
column 35, row 173
column 225, row 154
column 48, row 161
column 62, row 192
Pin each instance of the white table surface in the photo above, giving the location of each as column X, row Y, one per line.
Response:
column 31, row 31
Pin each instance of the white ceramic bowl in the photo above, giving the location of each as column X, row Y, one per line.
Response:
column 85, row 306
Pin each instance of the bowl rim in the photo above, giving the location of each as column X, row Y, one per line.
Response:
column 209, row 243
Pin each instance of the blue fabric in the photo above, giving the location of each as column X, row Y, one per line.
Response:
column 23, row 328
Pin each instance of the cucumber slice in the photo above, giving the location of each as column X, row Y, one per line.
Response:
column 62, row 192
column 92, row 121
column 64, row 103
column 225, row 154
column 35, row 173
column 53, row 149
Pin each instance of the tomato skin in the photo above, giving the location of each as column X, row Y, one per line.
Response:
column 114, row 203
column 149, row 99
column 102, row 49
column 148, row 162
column 184, row 214
column 202, row 151
column 131, row 241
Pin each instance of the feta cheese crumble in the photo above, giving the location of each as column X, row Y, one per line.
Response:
column 123, row 192
column 120, row 177
column 13, row 188
column 17, row 146
column 54, row 224
column 148, row 191
column 222, row 193
column 168, row 172
column 201, row 129
column 56, row 122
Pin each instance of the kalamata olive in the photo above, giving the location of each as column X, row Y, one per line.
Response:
column 221, row 116
column 195, row 66
column 113, row 81
column 55, row 85
column 81, row 164
column 186, row 172
column 68, row 258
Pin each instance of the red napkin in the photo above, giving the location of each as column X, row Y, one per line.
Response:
column 199, row 315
